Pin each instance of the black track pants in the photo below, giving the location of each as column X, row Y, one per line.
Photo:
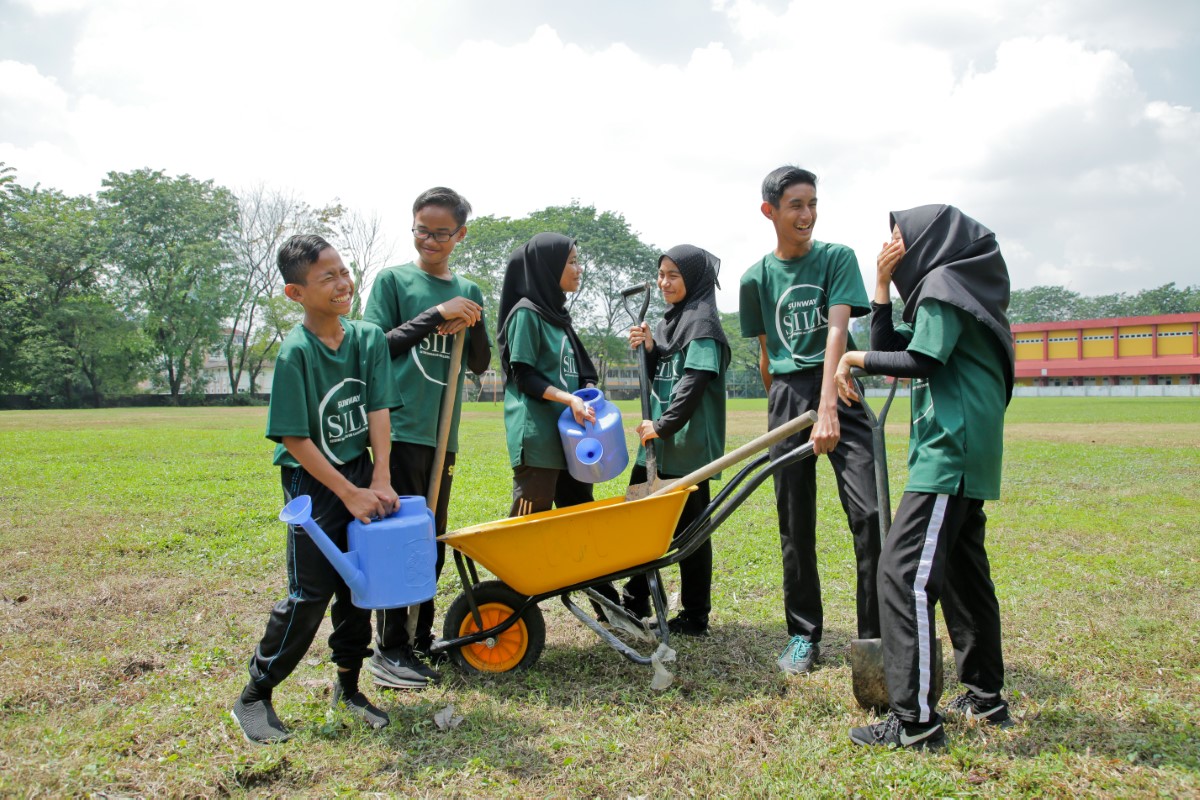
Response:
column 695, row 571
column 796, row 503
column 537, row 488
column 411, row 468
column 312, row 582
column 935, row 551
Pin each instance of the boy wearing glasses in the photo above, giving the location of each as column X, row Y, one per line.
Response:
column 422, row 305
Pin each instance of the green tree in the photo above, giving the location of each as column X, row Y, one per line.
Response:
column 170, row 241
column 612, row 255
column 280, row 315
column 70, row 342
column 1166, row 299
column 1043, row 304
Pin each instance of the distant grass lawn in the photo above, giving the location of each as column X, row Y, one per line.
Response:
column 141, row 557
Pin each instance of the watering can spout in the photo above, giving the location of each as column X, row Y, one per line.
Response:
column 299, row 512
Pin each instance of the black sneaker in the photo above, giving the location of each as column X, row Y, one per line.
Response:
column 966, row 707
column 687, row 626
column 423, row 650
column 891, row 732
column 361, row 707
column 399, row 668
column 258, row 722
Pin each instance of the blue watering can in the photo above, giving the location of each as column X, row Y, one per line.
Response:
column 390, row 563
column 595, row 451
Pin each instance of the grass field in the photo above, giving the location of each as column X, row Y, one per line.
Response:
column 141, row 556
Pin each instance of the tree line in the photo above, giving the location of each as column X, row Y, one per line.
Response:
column 156, row 273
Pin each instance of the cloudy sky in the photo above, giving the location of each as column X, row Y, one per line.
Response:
column 1070, row 127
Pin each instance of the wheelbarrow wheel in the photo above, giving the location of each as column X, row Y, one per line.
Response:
column 518, row 647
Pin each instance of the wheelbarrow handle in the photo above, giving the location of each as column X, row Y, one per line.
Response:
column 789, row 428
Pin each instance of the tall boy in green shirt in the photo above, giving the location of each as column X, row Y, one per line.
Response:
column 422, row 305
column 330, row 399
column 798, row 301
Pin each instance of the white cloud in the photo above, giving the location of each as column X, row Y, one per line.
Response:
column 1006, row 110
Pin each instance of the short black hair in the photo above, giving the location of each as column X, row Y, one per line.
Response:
column 299, row 253
column 448, row 199
column 774, row 185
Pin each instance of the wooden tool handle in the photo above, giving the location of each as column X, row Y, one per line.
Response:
column 789, row 428
column 444, row 419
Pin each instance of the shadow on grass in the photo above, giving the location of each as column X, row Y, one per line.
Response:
column 736, row 666
column 736, row 663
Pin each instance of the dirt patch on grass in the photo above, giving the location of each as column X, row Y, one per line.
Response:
column 1122, row 434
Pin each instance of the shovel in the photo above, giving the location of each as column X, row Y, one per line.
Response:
column 866, row 655
column 445, row 418
column 637, row 491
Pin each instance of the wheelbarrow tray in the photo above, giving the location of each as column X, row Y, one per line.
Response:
column 539, row 553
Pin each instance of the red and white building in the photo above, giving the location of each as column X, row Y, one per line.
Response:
column 1161, row 350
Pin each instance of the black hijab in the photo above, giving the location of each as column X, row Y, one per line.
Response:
column 532, row 281
column 696, row 317
column 952, row 258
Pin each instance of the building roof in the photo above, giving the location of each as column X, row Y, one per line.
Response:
column 1110, row 322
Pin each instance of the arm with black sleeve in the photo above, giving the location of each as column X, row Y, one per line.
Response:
column 407, row 335
column 688, row 394
column 889, row 354
column 529, row 380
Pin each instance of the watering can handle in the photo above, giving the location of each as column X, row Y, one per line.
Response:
column 298, row 512
column 789, row 428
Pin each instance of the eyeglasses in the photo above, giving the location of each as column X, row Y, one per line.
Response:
column 437, row 236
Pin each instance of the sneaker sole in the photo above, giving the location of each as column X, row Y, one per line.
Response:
column 387, row 680
column 938, row 743
column 981, row 719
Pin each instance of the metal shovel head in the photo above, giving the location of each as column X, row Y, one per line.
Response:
column 869, row 680
column 637, row 491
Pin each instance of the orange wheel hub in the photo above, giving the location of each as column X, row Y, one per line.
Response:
column 507, row 649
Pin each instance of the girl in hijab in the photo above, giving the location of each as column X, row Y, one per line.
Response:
column 957, row 347
column 544, row 362
column 688, row 355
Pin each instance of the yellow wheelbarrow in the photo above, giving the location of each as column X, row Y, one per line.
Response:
column 497, row 625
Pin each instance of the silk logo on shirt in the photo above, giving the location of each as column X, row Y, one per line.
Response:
column 432, row 356
column 343, row 414
column 668, row 374
column 567, row 366
column 800, row 312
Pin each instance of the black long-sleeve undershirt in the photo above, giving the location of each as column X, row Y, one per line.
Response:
column 407, row 335
column 889, row 353
column 688, row 394
column 529, row 380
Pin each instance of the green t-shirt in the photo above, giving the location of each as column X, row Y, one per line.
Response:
column 702, row 438
column 531, row 423
column 789, row 301
column 325, row 395
column 957, row 436
column 399, row 295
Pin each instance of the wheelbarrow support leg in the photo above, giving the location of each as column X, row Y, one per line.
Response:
column 598, row 629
